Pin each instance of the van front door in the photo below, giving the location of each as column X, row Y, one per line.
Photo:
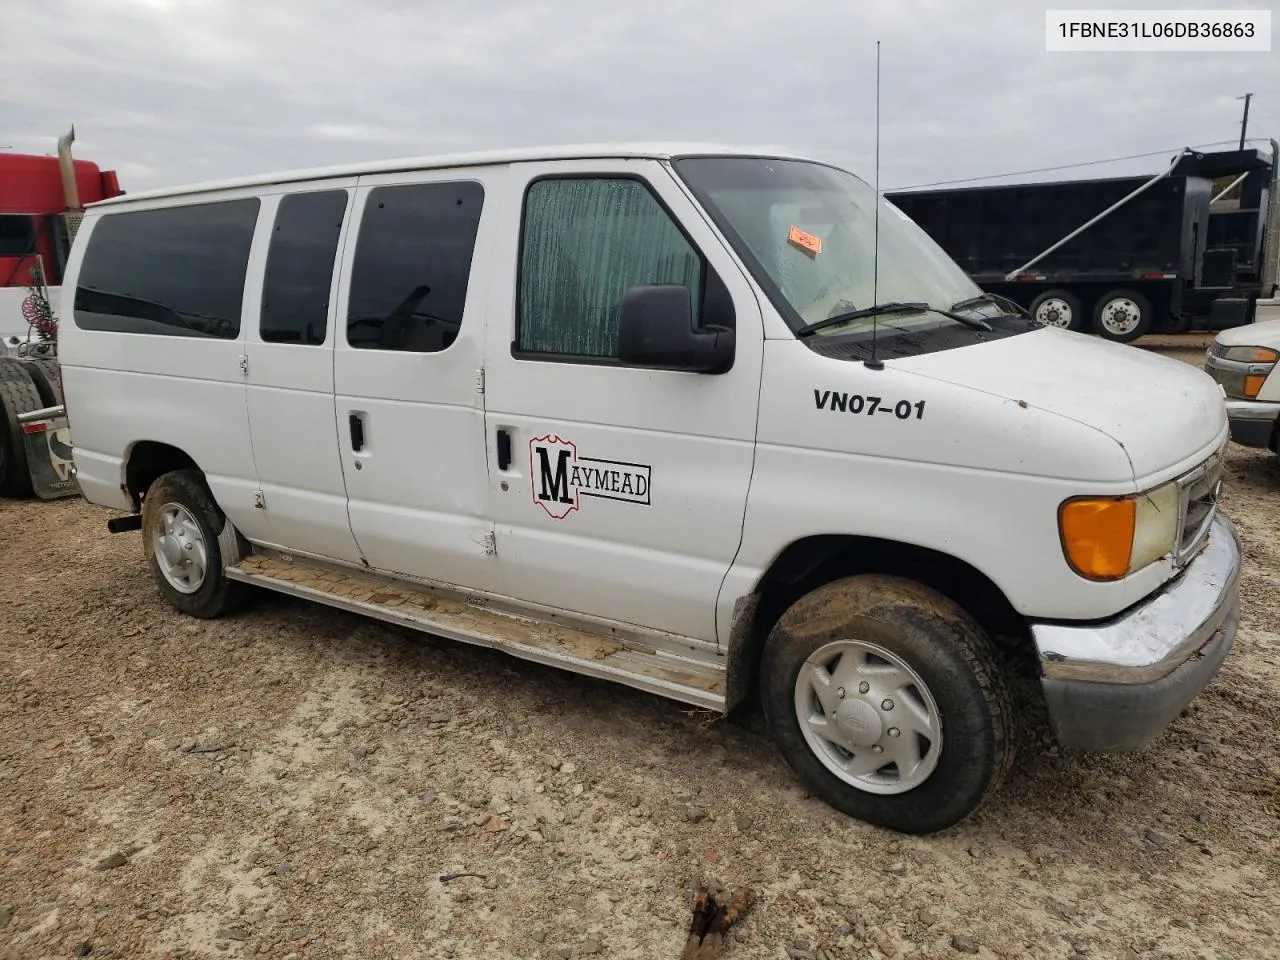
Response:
column 410, row 414
column 617, row 492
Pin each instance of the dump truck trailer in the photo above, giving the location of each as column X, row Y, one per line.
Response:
column 1121, row 256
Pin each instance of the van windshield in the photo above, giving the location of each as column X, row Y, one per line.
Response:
column 808, row 232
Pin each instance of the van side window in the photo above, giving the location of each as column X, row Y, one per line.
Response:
column 412, row 265
column 304, row 246
column 176, row 271
column 585, row 243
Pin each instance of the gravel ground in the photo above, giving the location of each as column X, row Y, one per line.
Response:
column 295, row 782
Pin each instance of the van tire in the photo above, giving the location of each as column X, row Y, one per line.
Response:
column 17, row 395
column 182, row 495
column 963, row 685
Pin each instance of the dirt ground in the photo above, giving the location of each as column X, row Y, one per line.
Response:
column 296, row 782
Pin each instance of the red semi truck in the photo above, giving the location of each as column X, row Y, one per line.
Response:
column 42, row 199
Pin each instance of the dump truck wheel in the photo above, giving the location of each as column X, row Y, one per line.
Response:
column 1123, row 316
column 1059, row 308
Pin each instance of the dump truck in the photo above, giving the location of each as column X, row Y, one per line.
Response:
column 1120, row 256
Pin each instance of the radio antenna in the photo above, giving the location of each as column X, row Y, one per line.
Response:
column 875, row 363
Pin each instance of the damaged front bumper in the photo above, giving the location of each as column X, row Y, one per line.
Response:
column 1114, row 686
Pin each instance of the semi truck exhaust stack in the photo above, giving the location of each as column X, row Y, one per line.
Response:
column 69, row 188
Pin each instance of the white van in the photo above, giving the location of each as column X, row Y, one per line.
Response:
column 1243, row 360
column 662, row 416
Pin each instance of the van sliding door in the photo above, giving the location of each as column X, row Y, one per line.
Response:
column 410, row 411
column 294, row 323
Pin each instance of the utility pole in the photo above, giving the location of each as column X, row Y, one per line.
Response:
column 1244, row 122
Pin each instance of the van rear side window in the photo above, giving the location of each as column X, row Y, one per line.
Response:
column 304, row 244
column 176, row 272
column 412, row 266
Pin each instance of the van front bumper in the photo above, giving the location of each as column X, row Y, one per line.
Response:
column 1114, row 686
column 1253, row 422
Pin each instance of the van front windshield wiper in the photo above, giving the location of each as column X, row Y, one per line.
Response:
column 812, row 328
column 882, row 308
column 1009, row 306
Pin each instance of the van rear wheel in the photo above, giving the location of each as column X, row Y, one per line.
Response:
column 886, row 698
column 189, row 543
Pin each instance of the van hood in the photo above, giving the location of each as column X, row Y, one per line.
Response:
column 1159, row 410
column 1264, row 333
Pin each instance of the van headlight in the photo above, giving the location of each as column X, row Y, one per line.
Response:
column 1241, row 370
column 1107, row 538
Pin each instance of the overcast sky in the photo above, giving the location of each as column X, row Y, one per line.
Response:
column 175, row 91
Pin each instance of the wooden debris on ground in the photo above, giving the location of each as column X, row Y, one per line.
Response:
column 715, row 910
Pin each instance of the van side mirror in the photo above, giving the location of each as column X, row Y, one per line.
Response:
column 655, row 329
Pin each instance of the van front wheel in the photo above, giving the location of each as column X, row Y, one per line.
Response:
column 887, row 699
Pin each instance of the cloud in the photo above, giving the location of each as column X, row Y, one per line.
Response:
column 167, row 91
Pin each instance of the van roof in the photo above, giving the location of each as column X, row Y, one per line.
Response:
column 588, row 151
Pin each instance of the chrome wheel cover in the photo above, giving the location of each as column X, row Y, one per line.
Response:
column 180, row 549
column 868, row 717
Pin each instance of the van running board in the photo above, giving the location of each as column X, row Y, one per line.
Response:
column 626, row 661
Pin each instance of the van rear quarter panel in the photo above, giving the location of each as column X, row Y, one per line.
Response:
column 124, row 388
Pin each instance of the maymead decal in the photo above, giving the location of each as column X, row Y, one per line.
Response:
column 561, row 477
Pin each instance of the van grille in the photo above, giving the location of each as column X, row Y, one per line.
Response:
column 1199, row 504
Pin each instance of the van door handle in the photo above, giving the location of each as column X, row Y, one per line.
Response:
column 504, row 450
column 357, row 432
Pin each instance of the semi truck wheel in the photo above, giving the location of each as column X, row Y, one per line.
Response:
column 189, row 543
column 47, row 376
column 17, row 395
column 1059, row 308
column 1123, row 315
column 886, row 698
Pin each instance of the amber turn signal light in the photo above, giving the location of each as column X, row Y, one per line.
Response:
column 1097, row 535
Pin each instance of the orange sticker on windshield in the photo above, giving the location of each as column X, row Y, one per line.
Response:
column 805, row 241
